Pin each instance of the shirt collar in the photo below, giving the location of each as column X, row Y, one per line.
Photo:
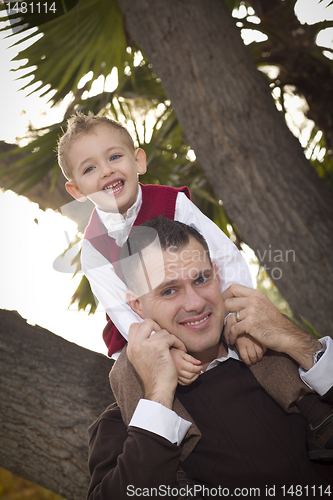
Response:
column 115, row 222
column 230, row 354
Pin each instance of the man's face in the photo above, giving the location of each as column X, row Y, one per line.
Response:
column 187, row 301
column 105, row 169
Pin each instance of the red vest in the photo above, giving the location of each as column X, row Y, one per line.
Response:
column 156, row 200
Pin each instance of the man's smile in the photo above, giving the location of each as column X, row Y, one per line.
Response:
column 198, row 322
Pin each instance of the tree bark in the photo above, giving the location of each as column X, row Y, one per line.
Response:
column 283, row 210
column 51, row 391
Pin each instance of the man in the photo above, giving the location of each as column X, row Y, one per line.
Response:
column 248, row 444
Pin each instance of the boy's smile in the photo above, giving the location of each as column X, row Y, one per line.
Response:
column 105, row 169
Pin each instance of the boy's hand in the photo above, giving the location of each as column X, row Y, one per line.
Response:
column 250, row 350
column 188, row 368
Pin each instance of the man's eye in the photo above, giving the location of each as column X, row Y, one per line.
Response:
column 202, row 279
column 88, row 169
column 114, row 157
column 168, row 292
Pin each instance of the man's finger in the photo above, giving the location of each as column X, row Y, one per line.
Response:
column 236, row 290
column 227, row 328
column 143, row 330
column 174, row 341
column 236, row 330
column 133, row 329
column 235, row 304
column 232, row 329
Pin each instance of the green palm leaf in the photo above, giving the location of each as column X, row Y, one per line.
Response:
column 90, row 37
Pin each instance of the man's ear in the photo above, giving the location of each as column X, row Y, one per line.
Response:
column 140, row 158
column 135, row 303
column 74, row 191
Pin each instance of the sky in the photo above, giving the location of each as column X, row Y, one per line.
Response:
column 32, row 239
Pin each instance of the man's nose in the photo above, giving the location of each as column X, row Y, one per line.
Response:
column 193, row 301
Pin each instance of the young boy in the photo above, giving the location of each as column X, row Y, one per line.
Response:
column 98, row 157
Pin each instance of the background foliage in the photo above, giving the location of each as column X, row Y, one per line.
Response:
column 16, row 488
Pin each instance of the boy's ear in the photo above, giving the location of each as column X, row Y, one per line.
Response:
column 140, row 158
column 74, row 191
column 134, row 302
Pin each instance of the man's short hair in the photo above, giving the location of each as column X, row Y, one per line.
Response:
column 163, row 233
column 79, row 124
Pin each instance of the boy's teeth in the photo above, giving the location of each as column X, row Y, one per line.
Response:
column 113, row 186
column 197, row 322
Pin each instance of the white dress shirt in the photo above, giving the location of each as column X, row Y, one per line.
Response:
column 111, row 291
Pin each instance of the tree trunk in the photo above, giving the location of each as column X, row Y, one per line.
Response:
column 51, row 391
column 283, row 210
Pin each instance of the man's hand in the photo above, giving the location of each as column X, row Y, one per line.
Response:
column 188, row 368
column 258, row 317
column 151, row 358
column 249, row 349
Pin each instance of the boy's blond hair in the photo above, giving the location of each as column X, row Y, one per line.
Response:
column 80, row 124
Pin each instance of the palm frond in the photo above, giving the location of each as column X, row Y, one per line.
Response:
column 89, row 37
column 84, row 297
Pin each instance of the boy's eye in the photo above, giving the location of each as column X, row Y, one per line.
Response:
column 114, row 157
column 88, row 169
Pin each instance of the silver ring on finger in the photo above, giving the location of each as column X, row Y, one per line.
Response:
column 238, row 318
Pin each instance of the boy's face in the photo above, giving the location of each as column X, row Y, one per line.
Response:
column 105, row 169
